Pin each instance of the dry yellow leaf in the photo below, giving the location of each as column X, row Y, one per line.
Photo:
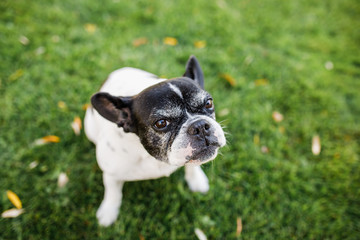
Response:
column 256, row 139
column 90, row 27
column 16, row 75
column 46, row 139
column 12, row 213
column 278, row 117
column 62, row 105
column 316, row 146
column 76, row 125
column 140, row 41
column 51, row 138
column 170, row 41
column 229, row 79
column 200, row 44
column 282, row 129
column 14, row 199
column 261, row 82
column 85, row 106
column 238, row 226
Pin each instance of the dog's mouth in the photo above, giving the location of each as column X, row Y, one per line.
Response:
column 203, row 155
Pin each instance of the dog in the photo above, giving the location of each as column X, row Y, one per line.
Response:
column 145, row 127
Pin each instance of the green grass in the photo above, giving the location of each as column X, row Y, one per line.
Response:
column 287, row 193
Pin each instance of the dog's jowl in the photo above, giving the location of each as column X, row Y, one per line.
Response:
column 145, row 128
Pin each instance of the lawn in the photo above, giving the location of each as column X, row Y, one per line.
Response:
column 300, row 59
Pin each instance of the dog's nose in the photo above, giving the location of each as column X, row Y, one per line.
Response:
column 199, row 128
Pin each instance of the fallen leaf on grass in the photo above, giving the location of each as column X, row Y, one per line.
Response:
column 329, row 65
column 76, row 126
column 238, row 226
column 40, row 51
column 62, row 180
column 170, row 41
column 200, row 44
column 14, row 199
column 261, row 82
column 24, row 40
column 51, row 138
column 46, row 139
column 33, row 164
column 264, row 149
column 256, row 139
column 200, row 234
column 282, row 129
column 278, row 117
column 16, row 75
column 140, row 41
column 316, row 146
column 90, row 27
column 62, row 105
column 85, row 106
column 141, row 237
column 12, row 213
column 229, row 79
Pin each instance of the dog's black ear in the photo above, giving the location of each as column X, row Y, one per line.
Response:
column 114, row 109
column 193, row 71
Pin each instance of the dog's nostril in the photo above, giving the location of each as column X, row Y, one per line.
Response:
column 194, row 130
column 199, row 127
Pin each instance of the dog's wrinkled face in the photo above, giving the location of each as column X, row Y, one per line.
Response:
column 176, row 122
column 174, row 119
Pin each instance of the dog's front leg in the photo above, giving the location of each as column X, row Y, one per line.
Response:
column 196, row 179
column 109, row 208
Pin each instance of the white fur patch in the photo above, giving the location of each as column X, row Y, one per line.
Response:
column 176, row 90
column 172, row 111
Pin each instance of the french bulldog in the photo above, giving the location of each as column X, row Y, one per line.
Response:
column 145, row 127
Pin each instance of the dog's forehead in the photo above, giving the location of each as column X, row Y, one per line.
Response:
column 188, row 91
column 170, row 98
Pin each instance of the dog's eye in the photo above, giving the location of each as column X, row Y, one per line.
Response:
column 161, row 124
column 209, row 104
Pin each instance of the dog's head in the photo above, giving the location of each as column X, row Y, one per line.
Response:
column 174, row 119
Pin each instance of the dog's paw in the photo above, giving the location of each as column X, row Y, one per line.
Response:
column 107, row 214
column 197, row 181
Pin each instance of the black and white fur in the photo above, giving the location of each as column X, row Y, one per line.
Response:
column 145, row 128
